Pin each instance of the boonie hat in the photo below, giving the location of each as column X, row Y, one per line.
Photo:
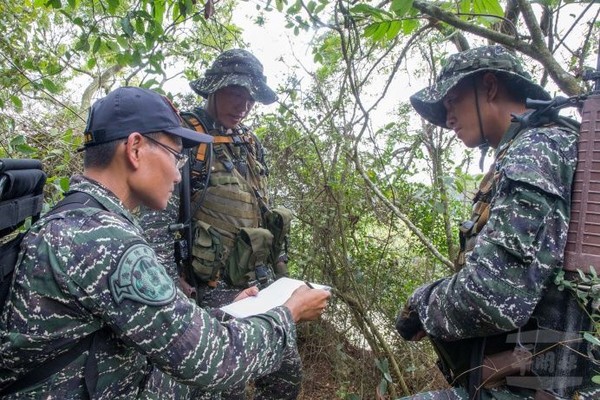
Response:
column 429, row 101
column 132, row 109
column 235, row 67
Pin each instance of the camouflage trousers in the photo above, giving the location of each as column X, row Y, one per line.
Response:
column 283, row 384
column 459, row 393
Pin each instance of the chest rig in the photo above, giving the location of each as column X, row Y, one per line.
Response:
column 470, row 229
column 230, row 181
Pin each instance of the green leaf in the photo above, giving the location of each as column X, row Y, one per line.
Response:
column 149, row 39
column 91, row 63
column 25, row 149
column 465, row 8
column 50, row 85
column 136, row 58
column 122, row 41
column 387, row 376
column 126, row 25
column 488, row 7
column 409, row 26
column 366, row 9
column 113, row 5
column 96, row 45
column 395, row 27
column 295, row 8
column 72, row 3
column 149, row 84
column 16, row 102
column 371, row 29
column 591, row 338
column 401, row 7
column 382, row 387
column 381, row 30
column 18, row 140
column 123, row 59
column 54, row 4
column 53, row 69
column 139, row 26
column 279, row 5
column 596, row 379
column 158, row 11
column 64, row 184
column 82, row 44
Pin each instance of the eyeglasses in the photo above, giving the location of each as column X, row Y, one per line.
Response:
column 180, row 159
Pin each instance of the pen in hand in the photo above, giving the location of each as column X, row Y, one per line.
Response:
column 309, row 285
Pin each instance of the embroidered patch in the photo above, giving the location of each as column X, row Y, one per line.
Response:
column 139, row 277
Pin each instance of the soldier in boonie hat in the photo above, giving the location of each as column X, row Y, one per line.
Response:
column 511, row 248
column 236, row 67
column 429, row 101
column 229, row 193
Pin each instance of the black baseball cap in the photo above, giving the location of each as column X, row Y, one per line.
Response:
column 132, row 109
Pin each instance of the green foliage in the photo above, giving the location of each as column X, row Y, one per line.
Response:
column 587, row 290
column 56, row 56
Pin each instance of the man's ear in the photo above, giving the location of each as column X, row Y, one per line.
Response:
column 490, row 84
column 132, row 149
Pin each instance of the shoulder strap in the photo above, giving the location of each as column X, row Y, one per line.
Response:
column 75, row 200
column 48, row 368
column 195, row 122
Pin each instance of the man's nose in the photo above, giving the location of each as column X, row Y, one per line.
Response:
column 178, row 176
column 450, row 120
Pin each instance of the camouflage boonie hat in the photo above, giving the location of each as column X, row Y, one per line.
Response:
column 236, row 68
column 429, row 101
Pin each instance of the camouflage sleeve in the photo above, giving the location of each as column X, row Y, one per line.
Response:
column 122, row 284
column 518, row 249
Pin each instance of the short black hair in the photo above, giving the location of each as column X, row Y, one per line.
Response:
column 101, row 155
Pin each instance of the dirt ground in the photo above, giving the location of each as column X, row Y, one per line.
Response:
column 333, row 369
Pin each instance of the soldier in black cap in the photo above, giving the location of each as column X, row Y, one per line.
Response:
column 93, row 314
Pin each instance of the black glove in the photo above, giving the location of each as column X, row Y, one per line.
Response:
column 408, row 323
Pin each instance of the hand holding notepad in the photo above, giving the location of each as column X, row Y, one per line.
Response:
column 274, row 295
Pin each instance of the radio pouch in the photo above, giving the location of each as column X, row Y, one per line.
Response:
column 247, row 263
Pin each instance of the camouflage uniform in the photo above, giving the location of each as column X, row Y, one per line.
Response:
column 90, row 270
column 504, row 291
column 229, row 204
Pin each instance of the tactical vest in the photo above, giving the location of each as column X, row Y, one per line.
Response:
column 232, row 236
column 237, row 169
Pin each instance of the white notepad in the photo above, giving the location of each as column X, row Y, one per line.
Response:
column 273, row 295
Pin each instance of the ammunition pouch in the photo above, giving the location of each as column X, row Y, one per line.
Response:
column 278, row 221
column 247, row 263
column 208, row 253
column 454, row 359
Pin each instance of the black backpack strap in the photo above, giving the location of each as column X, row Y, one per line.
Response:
column 50, row 367
column 41, row 372
column 76, row 200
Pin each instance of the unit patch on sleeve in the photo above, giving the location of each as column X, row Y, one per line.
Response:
column 139, row 277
